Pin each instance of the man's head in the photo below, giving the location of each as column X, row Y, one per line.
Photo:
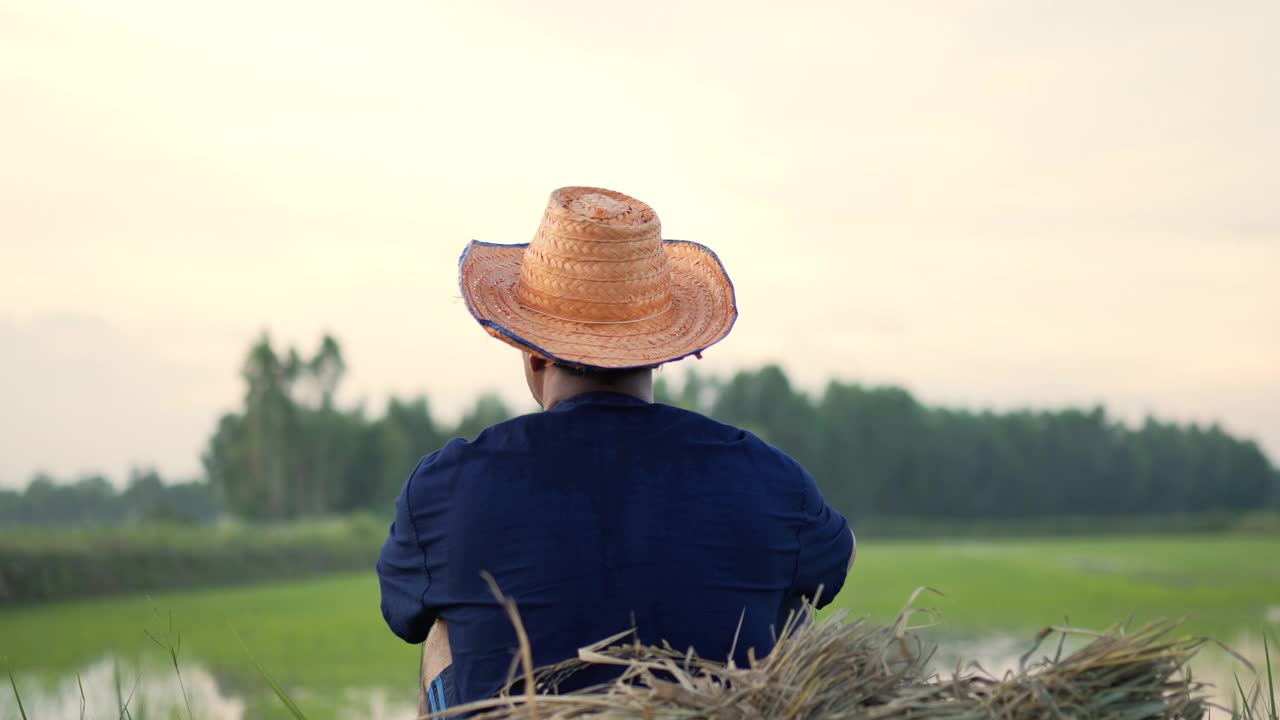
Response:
column 550, row 382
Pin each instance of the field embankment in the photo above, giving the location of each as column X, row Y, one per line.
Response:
column 42, row 567
column 45, row 566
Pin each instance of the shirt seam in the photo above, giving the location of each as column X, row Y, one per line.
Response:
column 804, row 517
column 413, row 525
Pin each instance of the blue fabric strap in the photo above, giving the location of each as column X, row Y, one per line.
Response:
column 440, row 694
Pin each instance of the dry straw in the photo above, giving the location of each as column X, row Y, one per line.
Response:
column 843, row 668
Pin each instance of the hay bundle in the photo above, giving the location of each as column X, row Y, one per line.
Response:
column 837, row 669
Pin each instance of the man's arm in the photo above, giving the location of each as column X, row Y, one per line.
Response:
column 436, row 656
column 827, row 546
column 402, row 573
column 411, row 568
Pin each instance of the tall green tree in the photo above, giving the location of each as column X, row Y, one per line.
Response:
column 289, row 451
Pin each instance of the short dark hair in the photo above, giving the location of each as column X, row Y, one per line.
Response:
column 608, row 376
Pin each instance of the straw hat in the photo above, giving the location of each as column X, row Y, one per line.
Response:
column 598, row 287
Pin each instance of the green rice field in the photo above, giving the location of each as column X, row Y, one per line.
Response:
column 325, row 642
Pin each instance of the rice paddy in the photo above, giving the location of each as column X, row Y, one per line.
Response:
column 324, row 639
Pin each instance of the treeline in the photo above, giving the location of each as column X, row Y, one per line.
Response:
column 292, row 452
column 876, row 452
column 93, row 500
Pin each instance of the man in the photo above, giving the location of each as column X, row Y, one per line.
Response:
column 606, row 512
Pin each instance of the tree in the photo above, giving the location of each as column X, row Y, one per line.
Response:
column 290, row 451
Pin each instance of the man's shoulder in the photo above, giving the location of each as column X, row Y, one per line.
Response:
column 496, row 434
column 705, row 428
column 696, row 427
column 501, row 439
column 703, row 423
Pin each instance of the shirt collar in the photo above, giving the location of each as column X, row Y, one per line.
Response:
column 597, row 398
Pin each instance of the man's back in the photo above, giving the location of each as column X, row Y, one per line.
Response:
column 603, row 514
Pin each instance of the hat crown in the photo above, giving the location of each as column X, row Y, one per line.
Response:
column 597, row 257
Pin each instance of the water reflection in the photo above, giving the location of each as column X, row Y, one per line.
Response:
column 376, row 704
column 110, row 685
column 153, row 693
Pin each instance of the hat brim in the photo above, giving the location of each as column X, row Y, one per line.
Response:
column 702, row 312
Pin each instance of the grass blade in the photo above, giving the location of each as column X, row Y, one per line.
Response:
column 124, row 708
column 172, row 648
column 1271, row 677
column 1246, row 712
column 287, row 701
column 115, row 679
column 121, row 700
column 17, row 696
column 80, row 685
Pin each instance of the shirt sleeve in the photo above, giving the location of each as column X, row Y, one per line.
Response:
column 411, row 564
column 826, row 544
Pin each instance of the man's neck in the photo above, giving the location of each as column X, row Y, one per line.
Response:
column 562, row 386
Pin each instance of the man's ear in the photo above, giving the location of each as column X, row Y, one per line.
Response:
column 537, row 364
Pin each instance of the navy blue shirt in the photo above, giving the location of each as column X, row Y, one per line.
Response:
column 603, row 514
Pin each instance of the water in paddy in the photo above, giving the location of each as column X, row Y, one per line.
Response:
column 152, row 691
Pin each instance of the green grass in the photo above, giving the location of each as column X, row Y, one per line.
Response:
column 1223, row 584
column 317, row 636
column 312, row 631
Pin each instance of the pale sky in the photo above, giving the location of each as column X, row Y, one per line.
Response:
column 997, row 204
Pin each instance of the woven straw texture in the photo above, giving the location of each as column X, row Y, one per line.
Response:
column 599, row 287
